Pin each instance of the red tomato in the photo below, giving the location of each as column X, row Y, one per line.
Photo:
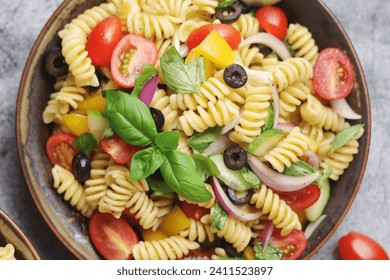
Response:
column 333, row 74
column 229, row 33
column 199, row 254
column 357, row 246
column 120, row 151
column 193, row 211
column 113, row 238
column 103, row 39
column 292, row 245
column 301, row 199
column 60, row 149
column 273, row 20
column 130, row 218
column 129, row 57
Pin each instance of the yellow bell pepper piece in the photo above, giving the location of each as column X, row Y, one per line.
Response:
column 77, row 124
column 175, row 222
column 95, row 102
column 249, row 253
column 151, row 235
column 209, row 66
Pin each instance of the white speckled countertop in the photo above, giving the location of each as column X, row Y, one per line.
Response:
column 367, row 24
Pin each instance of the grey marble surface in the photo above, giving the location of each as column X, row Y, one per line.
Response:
column 366, row 22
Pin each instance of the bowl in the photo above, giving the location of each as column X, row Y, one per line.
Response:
column 35, row 87
column 12, row 234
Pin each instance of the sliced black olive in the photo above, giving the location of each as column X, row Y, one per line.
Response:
column 81, row 167
column 229, row 14
column 245, row 8
column 235, row 76
column 235, row 157
column 55, row 64
column 158, row 117
column 239, row 198
column 231, row 251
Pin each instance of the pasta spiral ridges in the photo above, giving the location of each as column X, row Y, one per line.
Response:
column 176, row 8
column 301, row 41
column 282, row 216
column 52, row 112
column 144, row 209
column 69, row 95
column 247, row 25
column 161, row 101
column 170, row 248
column 205, row 6
column 291, row 97
column 198, row 231
column 250, row 55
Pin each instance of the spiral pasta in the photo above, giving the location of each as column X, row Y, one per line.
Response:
column 219, row 254
column 7, row 252
column 282, row 216
column 291, row 97
column 301, row 41
column 144, row 209
column 170, row 248
column 250, row 56
column 70, row 95
column 205, row 6
column 197, row 231
column 161, row 101
column 325, row 145
column 247, row 25
column 176, row 8
column 207, row 204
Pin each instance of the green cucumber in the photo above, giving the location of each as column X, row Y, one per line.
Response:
column 315, row 211
column 97, row 123
column 235, row 179
column 265, row 142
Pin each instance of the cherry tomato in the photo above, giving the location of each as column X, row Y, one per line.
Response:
column 60, row 149
column 229, row 33
column 198, row 254
column 113, row 238
column 120, row 151
column 273, row 20
column 292, row 245
column 333, row 74
column 103, row 39
column 129, row 57
column 301, row 199
column 193, row 211
column 357, row 246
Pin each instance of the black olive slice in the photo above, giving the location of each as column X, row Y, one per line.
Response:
column 229, row 14
column 55, row 64
column 239, row 198
column 81, row 167
column 158, row 117
column 235, row 76
column 235, row 157
column 245, row 8
column 231, row 251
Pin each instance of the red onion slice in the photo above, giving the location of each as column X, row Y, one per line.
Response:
column 269, row 228
column 258, row 77
column 311, row 227
column 342, row 108
column 218, row 146
column 278, row 181
column 312, row 159
column 286, row 127
column 147, row 92
column 270, row 41
column 228, row 206
column 183, row 50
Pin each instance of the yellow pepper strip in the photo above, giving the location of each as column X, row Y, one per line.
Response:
column 175, row 222
column 77, row 124
column 151, row 235
column 95, row 102
column 249, row 253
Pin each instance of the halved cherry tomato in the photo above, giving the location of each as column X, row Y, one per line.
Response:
column 193, row 211
column 273, row 20
column 292, row 245
column 333, row 74
column 301, row 199
column 358, row 246
column 129, row 57
column 60, row 149
column 199, row 254
column 120, row 151
column 113, row 238
column 229, row 33
column 103, row 39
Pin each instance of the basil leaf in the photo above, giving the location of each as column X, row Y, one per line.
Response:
column 108, row 132
column 205, row 167
column 219, row 218
column 179, row 172
column 225, row 4
column 269, row 121
column 250, row 177
column 145, row 162
column 181, row 77
column 159, row 188
column 301, row 168
column 148, row 72
column 130, row 118
column 271, row 252
column 344, row 136
column 201, row 141
column 167, row 140
column 86, row 143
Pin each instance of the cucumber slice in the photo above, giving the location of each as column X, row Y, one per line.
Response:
column 97, row 123
column 265, row 142
column 315, row 211
column 233, row 178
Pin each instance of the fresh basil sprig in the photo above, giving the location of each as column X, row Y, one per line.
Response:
column 205, row 167
column 148, row 72
column 86, row 143
column 145, row 162
column 225, row 4
column 345, row 135
column 219, row 217
column 201, row 141
column 271, row 252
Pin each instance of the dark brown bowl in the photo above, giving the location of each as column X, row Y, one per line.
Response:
column 36, row 86
column 11, row 233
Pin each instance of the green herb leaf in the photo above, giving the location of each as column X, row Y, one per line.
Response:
column 250, row 177
column 271, row 252
column 181, row 77
column 179, row 172
column 86, row 143
column 159, row 188
column 301, row 168
column 145, row 162
column 225, row 4
column 269, row 121
column 130, row 118
column 108, row 132
column 167, row 140
column 344, row 136
column 219, row 218
column 201, row 141
column 148, row 72
column 205, row 167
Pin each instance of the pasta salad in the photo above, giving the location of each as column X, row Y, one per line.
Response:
column 198, row 128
